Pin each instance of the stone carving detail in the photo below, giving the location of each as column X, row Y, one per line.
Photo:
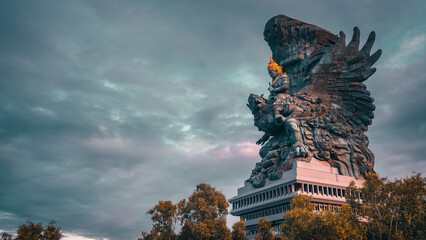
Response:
column 318, row 107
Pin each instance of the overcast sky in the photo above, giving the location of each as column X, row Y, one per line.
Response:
column 107, row 107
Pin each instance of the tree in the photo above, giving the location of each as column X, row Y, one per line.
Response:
column 239, row 231
column 204, row 214
column 265, row 231
column 299, row 221
column 164, row 217
column 52, row 232
column 302, row 222
column 411, row 195
column 32, row 231
column 6, row 236
column 391, row 209
column 341, row 225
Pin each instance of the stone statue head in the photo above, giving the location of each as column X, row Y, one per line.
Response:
column 274, row 69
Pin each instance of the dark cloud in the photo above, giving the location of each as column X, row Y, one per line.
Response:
column 397, row 136
column 108, row 107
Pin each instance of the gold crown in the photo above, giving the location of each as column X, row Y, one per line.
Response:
column 274, row 66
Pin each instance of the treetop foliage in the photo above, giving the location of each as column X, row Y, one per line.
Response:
column 201, row 216
column 302, row 222
column 35, row 231
column 265, row 230
column 391, row 209
column 239, row 231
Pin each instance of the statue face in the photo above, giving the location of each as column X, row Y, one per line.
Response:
column 273, row 73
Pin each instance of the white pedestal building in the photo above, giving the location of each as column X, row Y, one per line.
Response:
column 317, row 179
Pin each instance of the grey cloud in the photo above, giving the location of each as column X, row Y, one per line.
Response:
column 397, row 135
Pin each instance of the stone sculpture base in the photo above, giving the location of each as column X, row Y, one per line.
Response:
column 322, row 182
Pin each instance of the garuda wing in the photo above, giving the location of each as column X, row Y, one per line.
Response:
column 337, row 78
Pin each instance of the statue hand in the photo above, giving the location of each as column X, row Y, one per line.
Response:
column 263, row 139
column 260, row 141
column 300, row 150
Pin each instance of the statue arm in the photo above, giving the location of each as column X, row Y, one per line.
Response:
column 282, row 88
column 263, row 139
column 278, row 89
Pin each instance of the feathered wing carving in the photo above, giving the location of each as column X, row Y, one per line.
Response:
column 337, row 79
column 339, row 76
column 325, row 110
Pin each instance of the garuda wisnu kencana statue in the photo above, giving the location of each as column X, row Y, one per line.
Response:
column 318, row 108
